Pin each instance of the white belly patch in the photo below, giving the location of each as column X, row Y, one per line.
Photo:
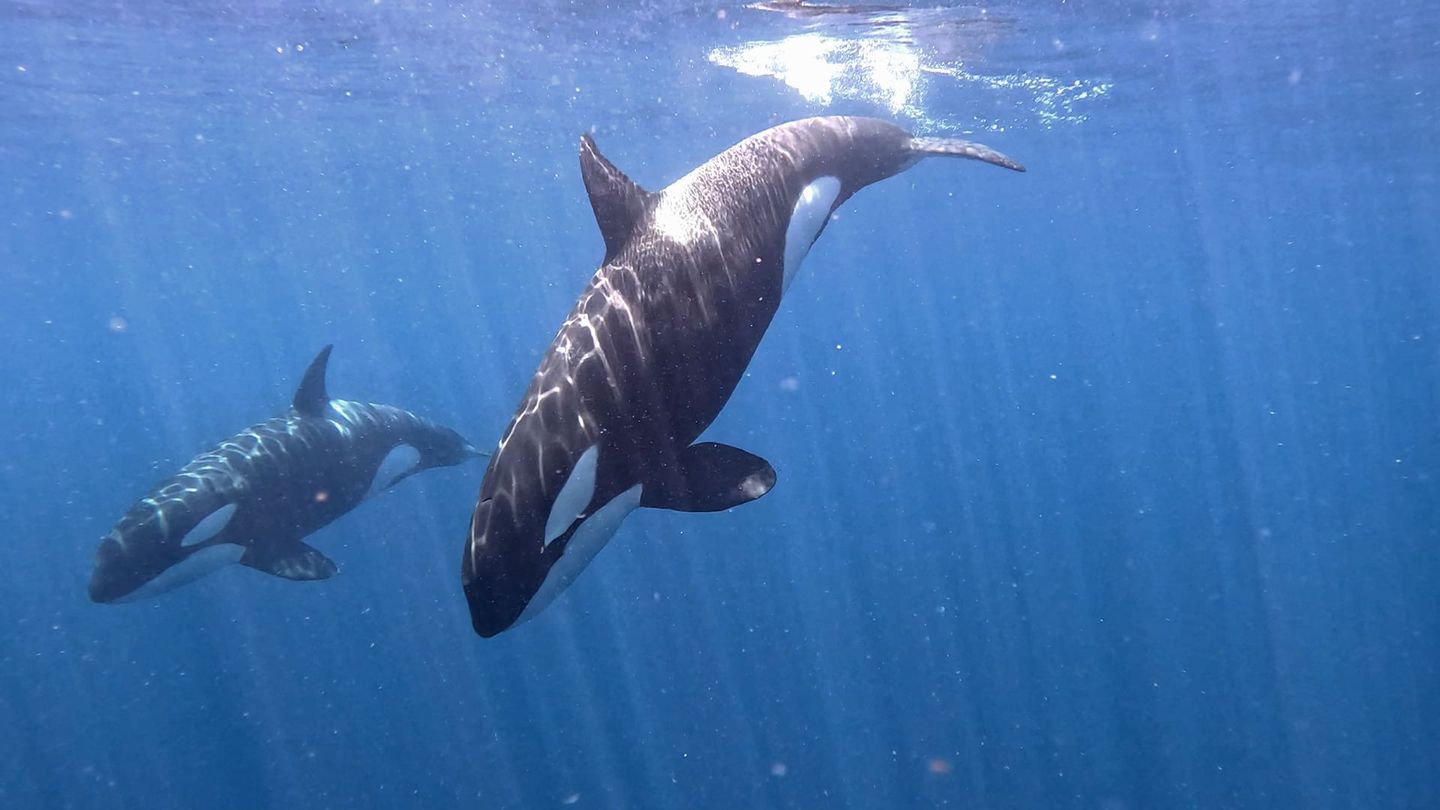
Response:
column 585, row 543
column 811, row 211
column 193, row 567
column 398, row 463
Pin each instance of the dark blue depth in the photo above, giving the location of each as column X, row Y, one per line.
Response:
column 1111, row 485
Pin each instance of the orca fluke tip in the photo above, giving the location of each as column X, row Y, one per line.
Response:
column 957, row 147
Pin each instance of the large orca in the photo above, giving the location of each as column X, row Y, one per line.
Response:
column 656, row 344
column 252, row 499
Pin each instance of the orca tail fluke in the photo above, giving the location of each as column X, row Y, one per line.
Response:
column 955, row 147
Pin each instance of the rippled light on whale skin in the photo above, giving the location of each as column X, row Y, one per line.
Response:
column 651, row 352
column 253, row 498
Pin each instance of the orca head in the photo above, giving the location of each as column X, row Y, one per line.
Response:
column 442, row 447
column 118, row 572
column 504, row 564
column 143, row 558
column 431, row 446
column 530, row 539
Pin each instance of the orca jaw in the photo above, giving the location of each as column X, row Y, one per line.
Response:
column 132, row 572
column 496, row 603
column 119, row 572
column 113, row 577
column 443, row 447
column 505, row 564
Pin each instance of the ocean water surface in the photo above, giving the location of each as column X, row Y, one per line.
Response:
column 1115, row 484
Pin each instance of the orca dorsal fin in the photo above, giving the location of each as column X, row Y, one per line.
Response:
column 311, row 398
column 619, row 202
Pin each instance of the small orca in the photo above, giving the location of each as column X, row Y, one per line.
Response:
column 252, row 499
column 655, row 346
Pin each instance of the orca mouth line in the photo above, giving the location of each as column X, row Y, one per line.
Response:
column 104, row 579
column 104, row 590
column 101, row 593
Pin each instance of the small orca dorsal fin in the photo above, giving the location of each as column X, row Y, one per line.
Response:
column 311, row 398
column 619, row 202
column 709, row 477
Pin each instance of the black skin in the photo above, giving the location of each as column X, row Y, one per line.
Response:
column 657, row 343
column 287, row 476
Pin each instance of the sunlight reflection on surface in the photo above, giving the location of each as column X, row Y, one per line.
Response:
column 896, row 74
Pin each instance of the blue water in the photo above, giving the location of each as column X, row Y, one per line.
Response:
column 1111, row 485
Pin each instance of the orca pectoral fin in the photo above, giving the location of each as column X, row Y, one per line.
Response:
column 296, row 561
column 709, row 477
